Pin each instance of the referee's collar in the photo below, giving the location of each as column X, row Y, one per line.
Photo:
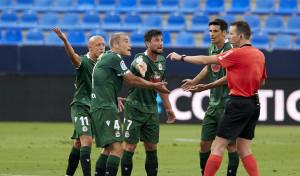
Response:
column 245, row 45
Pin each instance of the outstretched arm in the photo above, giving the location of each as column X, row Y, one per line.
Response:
column 188, row 83
column 201, row 87
column 75, row 58
column 135, row 81
column 141, row 68
column 170, row 113
column 198, row 60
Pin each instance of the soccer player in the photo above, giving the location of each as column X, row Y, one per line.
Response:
column 80, row 105
column 107, row 80
column 141, row 113
column 243, row 108
column 219, row 94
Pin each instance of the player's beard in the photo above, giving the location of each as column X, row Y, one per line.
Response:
column 157, row 52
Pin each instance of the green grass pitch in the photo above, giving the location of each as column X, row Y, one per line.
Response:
column 43, row 149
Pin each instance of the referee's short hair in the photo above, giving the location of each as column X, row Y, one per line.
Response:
column 115, row 38
column 242, row 27
column 151, row 33
column 222, row 23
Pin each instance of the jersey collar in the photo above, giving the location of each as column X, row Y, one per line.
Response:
column 245, row 45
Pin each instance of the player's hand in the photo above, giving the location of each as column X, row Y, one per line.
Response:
column 171, row 116
column 174, row 56
column 188, row 83
column 142, row 68
column 59, row 33
column 120, row 104
column 198, row 88
column 161, row 87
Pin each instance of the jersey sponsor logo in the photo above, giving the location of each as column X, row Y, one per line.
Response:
column 127, row 134
column 139, row 60
column 84, row 129
column 225, row 55
column 155, row 77
column 107, row 122
column 215, row 67
column 118, row 134
column 123, row 66
column 160, row 66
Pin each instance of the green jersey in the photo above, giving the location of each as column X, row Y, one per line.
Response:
column 218, row 95
column 107, row 81
column 145, row 99
column 83, row 83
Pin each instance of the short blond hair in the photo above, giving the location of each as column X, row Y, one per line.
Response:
column 115, row 38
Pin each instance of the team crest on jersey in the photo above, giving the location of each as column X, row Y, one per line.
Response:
column 107, row 122
column 139, row 60
column 84, row 128
column 123, row 66
column 160, row 66
column 215, row 67
column 118, row 134
column 155, row 77
column 127, row 134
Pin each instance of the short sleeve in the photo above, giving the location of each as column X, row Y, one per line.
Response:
column 228, row 58
column 119, row 66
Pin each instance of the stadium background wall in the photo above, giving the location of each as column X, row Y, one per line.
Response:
column 37, row 84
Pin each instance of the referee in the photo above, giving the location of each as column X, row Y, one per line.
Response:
column 242, row 109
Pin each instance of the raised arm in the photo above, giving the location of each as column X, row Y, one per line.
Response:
column 201, row 87
column 198, row 60
column 135, row 81
column 75, row 58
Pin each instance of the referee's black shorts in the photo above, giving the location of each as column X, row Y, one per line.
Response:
column 239, row 118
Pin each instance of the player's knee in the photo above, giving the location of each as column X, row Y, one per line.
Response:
column 150, row 146
column 86, row 140
column 106, row 151
column 130, row 147
column 205, row 146
column 231, row 148
column 77, row 144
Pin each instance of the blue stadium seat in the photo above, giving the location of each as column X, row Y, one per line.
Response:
column 229, row 18
column 112, row 21
column 254, row 22
column 69, row 21
column 9, row 19
column 283, row 41
column 13, row 36
column 152, row 21
column 100, row 33
column 175, row 22
column 274, row 24
column 42, row 5
column 190, row 6
column 52, row 39
column 239, row 7
column 147, row 6
column 264, row 7
column 166, row 38
column 199, row 22
column 48, row 21
column 185, row 39
column 287, row 7
column 90, row 20
column 76, row 37
column 261, row 40
column 292, row 25
column 137, row 38
column 297, row 42
column 132, row 21
column 84, row 5
column 5, row 4
column 63, row 6
column 34, row 37
column 21, row 5
column 214, row 6
column 167, row 6
column 105, row 5
column 29, row 19
column 206, row 41
column 127, row 5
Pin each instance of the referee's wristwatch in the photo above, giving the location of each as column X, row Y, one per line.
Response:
column 182, row 57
